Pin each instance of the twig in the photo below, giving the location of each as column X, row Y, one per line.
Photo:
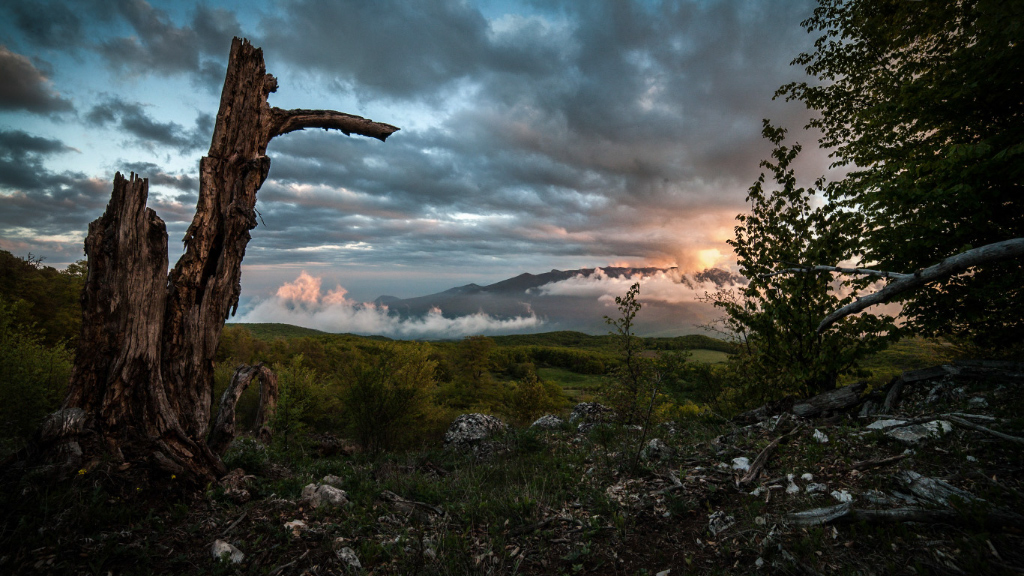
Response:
column 759, row 462
column 532, row 527
column 676, row 484
column 235, row 523
column 865, row 464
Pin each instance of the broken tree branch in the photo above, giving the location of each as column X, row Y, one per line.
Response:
column 995, row 252
column 285, row 121
column 968, row 424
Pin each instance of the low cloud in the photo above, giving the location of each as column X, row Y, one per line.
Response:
column 664, row 286
column 303, row 303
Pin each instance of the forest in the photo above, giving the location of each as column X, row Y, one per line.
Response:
column 814, row 435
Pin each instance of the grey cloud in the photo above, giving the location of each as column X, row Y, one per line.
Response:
column 406, row 50
column 21, row 161
column 47, row 24
column 24, row 87
column 132, row 118
column 157, row 177
column 157, row 45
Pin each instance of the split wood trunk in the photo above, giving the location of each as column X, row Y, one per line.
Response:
column 142, row 386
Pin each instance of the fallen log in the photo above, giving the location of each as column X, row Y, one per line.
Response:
column 838, row 399
column 996, row 518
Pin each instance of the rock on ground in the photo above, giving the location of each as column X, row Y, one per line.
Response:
column 655, row 450
column 590, row 412
column 348, row 556
column 322, row 494
column 547, row 422
column 471, row 431
column 222, row 550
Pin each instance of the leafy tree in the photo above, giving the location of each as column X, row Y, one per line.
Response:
column 924, row 103
column 633, row 382
column 775, row 316
column 388, row 401
column 49, row 298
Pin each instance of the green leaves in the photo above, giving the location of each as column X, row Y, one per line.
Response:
column 776, row 315
column 923, row 101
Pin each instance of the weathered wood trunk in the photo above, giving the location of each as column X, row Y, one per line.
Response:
column 142, row 386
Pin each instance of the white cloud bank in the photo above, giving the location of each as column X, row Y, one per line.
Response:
column 667, row 286
column 302, row 303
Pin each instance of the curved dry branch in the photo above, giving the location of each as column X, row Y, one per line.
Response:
column 285, row 121
column 1004, row 250
column 223, row 431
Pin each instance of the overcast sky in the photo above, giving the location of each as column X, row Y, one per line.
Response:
column 535, row 134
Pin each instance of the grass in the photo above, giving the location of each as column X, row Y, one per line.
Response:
column 708, row 356
column 554, row 502
column 908, row 354
column 577, row 386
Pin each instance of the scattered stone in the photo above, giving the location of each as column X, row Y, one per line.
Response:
column 471, row 431
column 322, row 494
column 807, row 477
column 842, row 496
column 815, row 488
column 820, row 436
column 917, row 433
column 971, row 459
column 759, row 563
column 547, row 422
column 655, row 450
column 868, row 408
column 664, row 572
column 718, row 522
column 222, row 550
column 330, row 445
column 348, row 556
column 977, row 402
column 590, row 412
column 741, row 464
column 792, row 488
column 296, row 527
column 883, row 424
column 332, row 480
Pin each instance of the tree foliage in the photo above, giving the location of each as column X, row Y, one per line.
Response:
column 775, row 316
column 924, row 103
column 45, row 296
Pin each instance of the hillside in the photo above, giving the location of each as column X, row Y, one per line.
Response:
column 839, row 493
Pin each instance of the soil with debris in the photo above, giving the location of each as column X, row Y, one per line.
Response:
column 934, row 486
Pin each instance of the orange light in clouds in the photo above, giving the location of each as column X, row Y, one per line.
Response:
column 306, row 288
column 708, row 258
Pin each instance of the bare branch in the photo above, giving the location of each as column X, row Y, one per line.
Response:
column 864, row 271
column 285, row 121
column 997, row 251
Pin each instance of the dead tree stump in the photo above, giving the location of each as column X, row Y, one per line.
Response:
column 141, row 390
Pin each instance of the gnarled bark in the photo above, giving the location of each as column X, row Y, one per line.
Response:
column 143, row 375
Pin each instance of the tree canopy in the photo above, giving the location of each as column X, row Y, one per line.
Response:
column 924, row 103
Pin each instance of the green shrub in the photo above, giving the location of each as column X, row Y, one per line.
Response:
column 33, row 376
column 387, row 401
